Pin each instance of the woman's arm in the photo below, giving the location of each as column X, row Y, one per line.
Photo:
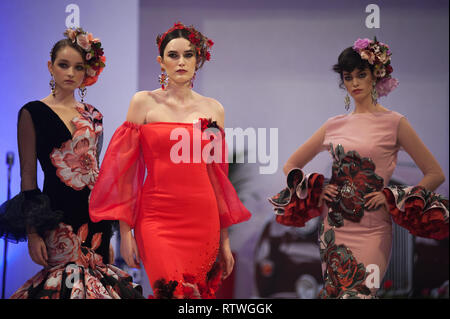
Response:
column 305, row 153
column 413, row 145
column 26, row 140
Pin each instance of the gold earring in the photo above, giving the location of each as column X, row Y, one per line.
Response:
column 347, row 102
column 374, row 93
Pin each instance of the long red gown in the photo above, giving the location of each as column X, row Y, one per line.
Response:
column 178, row 211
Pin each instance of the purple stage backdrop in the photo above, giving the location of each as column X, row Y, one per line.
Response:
column 270, row 68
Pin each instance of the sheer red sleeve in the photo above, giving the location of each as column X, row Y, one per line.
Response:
column 231, row 209
column 117, row 190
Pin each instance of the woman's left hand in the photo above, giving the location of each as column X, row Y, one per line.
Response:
column 374, row 200
column 226, row 260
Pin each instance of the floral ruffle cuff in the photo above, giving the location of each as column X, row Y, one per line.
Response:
column 423, row 213
column 298, row 202
column 27, row 210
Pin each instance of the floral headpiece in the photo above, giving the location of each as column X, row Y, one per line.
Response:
column 201, row 43
column 95, row 60
column 379, row 55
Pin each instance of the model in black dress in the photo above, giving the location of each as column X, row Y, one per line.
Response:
column 65, row 136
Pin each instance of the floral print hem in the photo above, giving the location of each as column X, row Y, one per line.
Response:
column 76, row 271
column 344, row 276
column 189, row 287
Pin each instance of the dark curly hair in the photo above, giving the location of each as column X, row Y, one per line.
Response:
column 348, row 61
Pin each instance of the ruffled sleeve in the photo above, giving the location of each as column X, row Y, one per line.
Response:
column 28, row 211
column 117, row 190
column 298, row 202
column 231, row 209
column 423, row 213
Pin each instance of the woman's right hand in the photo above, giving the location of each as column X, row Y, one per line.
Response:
column 37, row 249
column 328, row 193
column 129, row 250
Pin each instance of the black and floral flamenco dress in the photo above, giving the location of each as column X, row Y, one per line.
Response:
column 77, row 249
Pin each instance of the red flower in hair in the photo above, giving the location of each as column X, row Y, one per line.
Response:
column 193, row 39
column 389, row 69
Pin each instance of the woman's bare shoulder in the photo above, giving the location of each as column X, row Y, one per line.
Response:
column 141, row 103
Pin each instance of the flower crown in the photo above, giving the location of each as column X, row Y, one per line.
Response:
column 95, row 60
column 201, row 43
column 378, row 55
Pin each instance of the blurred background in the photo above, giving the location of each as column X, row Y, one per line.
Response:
column 270, row 68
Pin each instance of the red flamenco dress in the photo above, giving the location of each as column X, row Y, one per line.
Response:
column 178, row 210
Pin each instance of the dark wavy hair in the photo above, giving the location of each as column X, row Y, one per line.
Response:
column 348, row 61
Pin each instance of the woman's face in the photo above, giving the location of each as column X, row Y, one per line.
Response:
column 179, row 60
column 68, row 69
column 358, row 83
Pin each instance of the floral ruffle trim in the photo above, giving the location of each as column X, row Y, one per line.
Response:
column 189, row 287
column 423, row 213
column 28, row 209
column 298, row 202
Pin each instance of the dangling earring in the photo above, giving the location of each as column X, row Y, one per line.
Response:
column 347, row 102
column 192, row 80
column 82, row 93
column 163, row 79
column 374, row 94
column 52, row 85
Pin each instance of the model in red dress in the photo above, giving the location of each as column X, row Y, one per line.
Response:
column 181, row 211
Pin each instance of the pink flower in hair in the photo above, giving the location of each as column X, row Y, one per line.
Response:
column 368, row 55
column 71, row 34
column 361, row 44
column 386, row 86
column 83, row 41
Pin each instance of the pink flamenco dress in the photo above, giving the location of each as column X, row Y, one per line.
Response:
column 177, row 212
column 355, row 243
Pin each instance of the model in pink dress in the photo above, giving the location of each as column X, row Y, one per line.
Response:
column 357, row 206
